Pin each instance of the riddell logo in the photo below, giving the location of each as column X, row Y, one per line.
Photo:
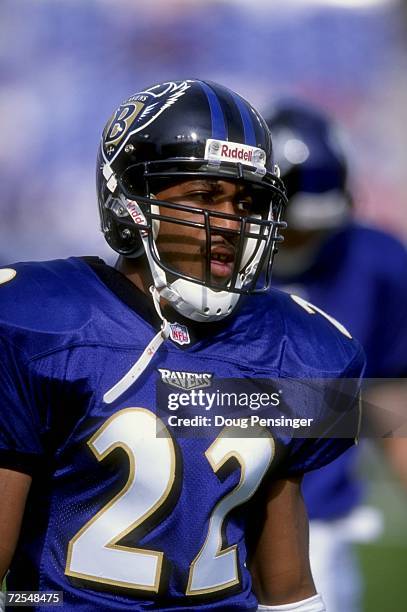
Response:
column 136, row 214
column 236, row 153
column 186, row 380
column 224, row 150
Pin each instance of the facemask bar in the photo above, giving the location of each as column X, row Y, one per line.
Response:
column 265, row 238
column 145, row 173
column 236, row 284
column 275, row 238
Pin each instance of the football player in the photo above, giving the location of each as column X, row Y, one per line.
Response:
column 358, row 274
column 102, row 498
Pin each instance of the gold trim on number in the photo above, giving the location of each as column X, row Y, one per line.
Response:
column 112, row 544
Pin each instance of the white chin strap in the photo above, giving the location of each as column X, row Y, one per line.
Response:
column 143, row 361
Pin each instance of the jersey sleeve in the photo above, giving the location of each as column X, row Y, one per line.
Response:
column 21, row 447
column 337, row 417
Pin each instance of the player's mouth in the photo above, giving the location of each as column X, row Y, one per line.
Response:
column 222, row 260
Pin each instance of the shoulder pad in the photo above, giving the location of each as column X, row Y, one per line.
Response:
column 316, row 344
column 44, row 296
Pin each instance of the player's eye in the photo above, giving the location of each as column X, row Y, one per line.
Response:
column 245, row 205
column 201, row 196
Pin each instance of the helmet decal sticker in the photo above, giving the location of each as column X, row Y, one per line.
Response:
column 139, row 111
column 121, row 121
column 224, row 150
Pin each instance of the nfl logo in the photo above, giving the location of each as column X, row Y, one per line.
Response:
column 179, row 333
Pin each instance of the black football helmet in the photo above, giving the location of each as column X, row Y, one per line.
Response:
column 309, row 150
column 184, row 130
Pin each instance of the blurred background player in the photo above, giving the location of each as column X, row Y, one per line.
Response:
column 358, row 275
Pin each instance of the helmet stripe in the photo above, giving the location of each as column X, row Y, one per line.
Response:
column 249, row 133
column 219, row 130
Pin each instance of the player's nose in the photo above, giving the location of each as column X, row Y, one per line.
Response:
column 229, row 215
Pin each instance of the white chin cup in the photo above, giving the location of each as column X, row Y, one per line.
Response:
column 199, row 303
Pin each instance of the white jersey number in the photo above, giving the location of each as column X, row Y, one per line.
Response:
column 93, row 553
column 311, row 309
column 6, row 275
column 214, row 569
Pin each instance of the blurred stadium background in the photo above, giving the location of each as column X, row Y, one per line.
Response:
column 65, row 65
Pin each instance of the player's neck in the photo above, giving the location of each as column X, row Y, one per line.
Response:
column 137, row 271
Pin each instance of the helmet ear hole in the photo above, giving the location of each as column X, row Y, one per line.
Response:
column 124, row 240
